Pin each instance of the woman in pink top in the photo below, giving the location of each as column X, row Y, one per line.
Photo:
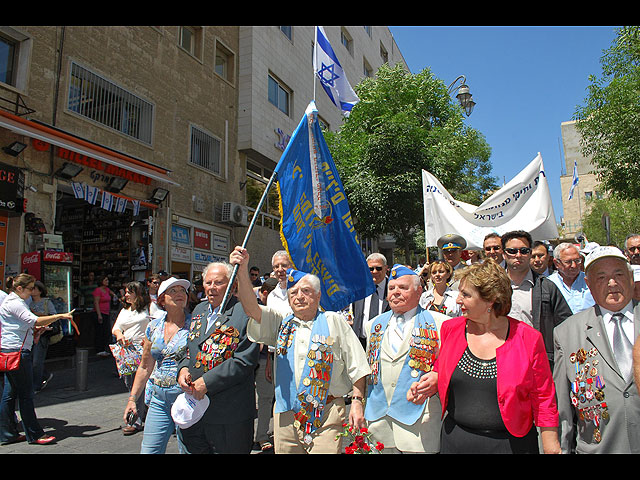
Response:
column 493, row 375
column 102, row 304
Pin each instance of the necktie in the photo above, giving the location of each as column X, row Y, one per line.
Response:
column 374, row 309
column 398, row 336
column 621, row 347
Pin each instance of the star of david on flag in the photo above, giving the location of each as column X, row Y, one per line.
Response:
column 332, row 78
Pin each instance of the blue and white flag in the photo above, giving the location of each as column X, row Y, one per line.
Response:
column 317, row 229
column 120, row 205
column 574, row 182
column 90, row 194
column 78, row 189
column 332, row 78
column 136, row 207
column 107, row 201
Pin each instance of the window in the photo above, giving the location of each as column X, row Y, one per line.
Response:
column 347, row 41
column 191, row 40
column 104, row 102
column 7, row 61
column 367, row 29
column 367, row 70
column 224, row 62
column 287, row 32
column 384, row 55
column 206, row 151
column 257, row 180
column 588, row 195
column 278, row 95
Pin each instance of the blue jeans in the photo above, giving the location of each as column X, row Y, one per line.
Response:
column 158, row 425
column 18, row 385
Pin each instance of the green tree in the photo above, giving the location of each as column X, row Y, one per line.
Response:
column 405, row 123
column 623, row 216
column 609, row 121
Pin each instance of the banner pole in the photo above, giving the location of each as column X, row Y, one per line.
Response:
column 227, row 294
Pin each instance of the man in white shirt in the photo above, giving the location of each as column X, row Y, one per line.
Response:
column 368, row 308
column 280, row 262
column 570, row 278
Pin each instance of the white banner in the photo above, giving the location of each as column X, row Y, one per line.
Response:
column 522, row 204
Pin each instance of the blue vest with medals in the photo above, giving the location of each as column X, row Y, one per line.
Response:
column 307, row 399
column 422, row 353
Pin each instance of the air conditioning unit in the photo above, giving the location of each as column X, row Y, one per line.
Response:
column 235, row 214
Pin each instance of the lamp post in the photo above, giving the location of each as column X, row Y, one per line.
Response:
column 463, row 96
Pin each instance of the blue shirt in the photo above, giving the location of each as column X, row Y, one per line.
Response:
column 578, row 296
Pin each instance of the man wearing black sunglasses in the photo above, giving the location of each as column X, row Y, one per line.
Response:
column 535, row 299
column 368, row 308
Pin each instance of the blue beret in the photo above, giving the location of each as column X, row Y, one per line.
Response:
column 293, row 277
column 400, row 270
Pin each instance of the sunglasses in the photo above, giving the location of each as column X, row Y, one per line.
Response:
column 494, row 248
column 378, row 269
column 522, row 250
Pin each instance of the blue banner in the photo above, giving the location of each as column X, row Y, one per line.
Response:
column 317, row 228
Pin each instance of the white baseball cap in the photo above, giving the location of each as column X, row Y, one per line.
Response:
column 186, row 410
column 601, row 252
column 170, row 282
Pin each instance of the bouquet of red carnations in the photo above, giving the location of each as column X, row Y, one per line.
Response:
column 360, row 440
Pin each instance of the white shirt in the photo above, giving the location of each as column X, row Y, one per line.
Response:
column 132, row 324
column 395, row 337
column 626, row 323
column 279, row 299
column 16, row 323
column 367, row 301
column 521, row 307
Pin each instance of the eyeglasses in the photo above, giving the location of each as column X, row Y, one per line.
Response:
column 379, row 269
column 568, row 263
column 522, row 250
column 495, row 248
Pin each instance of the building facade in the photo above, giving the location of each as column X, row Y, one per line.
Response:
column 147, row 148
column 587, row 188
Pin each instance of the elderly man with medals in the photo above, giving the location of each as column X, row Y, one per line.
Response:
column 318, row 360
column 402, row 347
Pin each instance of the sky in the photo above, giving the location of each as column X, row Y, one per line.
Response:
column 525, row 81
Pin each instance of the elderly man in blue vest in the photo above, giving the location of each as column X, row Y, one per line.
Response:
column 318, row 361
column 402, row 346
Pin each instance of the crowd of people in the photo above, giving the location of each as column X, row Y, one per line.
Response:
column 515, row 348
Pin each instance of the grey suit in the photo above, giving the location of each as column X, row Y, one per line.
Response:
column 227, row 426
column 620, row 432
column 359, row 321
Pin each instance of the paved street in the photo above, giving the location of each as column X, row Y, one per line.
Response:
column 87, row 421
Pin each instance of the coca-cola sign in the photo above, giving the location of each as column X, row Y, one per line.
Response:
column 31, row 264
column 55, row 256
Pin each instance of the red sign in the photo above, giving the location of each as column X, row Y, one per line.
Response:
column 201, row 239
column 31, row 264
column 55, row 256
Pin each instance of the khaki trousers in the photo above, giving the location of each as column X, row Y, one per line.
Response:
column 289, row 439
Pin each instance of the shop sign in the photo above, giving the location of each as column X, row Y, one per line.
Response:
column 180, row 235
column 205, row 257
column 11, row 188
column 55, row 256
column 220, row 243
column 180, row 254
column 201, row 239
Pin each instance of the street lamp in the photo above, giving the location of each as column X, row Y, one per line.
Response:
column 463, row 96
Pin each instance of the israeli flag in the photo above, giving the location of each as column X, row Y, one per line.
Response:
column 574, row 182
column 332, row 78
column 136, row 207
column 107, row 201
column 78, row 189
column 121, row 204
column 91, row 194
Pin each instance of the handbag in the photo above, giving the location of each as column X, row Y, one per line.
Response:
column 10, row 361
column 127, row 357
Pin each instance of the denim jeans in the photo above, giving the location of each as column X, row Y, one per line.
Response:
column 18, row 385
column 158, row 425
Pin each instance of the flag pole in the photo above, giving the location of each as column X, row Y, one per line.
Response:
column 227, row 293
column 315, row 58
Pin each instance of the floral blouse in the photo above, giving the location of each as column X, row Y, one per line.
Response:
column 166, row 355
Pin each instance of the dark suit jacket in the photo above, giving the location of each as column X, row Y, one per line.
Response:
column 357, row 308
column 549, row 309
column 230, row 385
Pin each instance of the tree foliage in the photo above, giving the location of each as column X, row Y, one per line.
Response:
column 405, row 123
column 609, row 121
column 624, row 220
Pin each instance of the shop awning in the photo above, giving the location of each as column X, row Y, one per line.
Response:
column 57, row 137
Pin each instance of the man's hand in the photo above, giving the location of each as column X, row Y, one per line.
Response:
column 196, row 389
column 356, row 415
column 426, row 387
